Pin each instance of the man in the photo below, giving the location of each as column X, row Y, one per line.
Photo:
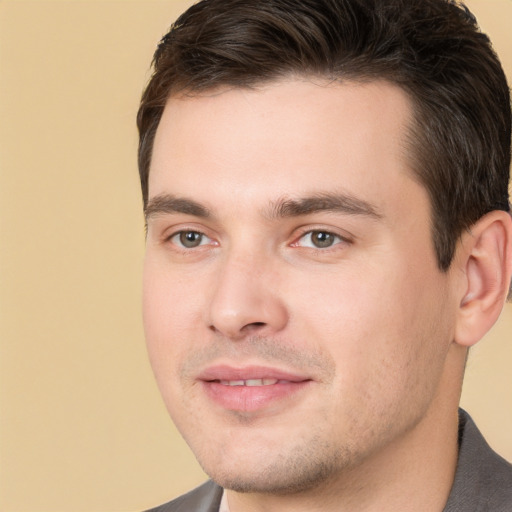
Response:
column 325, row 185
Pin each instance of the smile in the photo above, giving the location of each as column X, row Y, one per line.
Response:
column 250, row 382
column 251, row 389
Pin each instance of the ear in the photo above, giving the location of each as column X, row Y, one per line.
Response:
column 486, row 261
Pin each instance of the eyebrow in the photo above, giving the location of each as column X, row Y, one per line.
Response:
column 168, row 204
column 323, row 202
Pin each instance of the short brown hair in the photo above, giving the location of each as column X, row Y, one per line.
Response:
column 432, row 49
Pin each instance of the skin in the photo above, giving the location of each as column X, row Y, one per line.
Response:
column 364, row 317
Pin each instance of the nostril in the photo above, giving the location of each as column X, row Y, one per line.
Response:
column 254, row 325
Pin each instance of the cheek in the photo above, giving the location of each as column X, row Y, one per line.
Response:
column 170, row 296
column 168, row 316
column 384, row 331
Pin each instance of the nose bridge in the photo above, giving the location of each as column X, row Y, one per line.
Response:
column 245, row 296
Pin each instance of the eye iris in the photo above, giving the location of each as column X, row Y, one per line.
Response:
column 190, row 238
column 322, row 239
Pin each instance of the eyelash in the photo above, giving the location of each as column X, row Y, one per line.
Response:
column 338, row 239
column 176, row 239
column 178, row 234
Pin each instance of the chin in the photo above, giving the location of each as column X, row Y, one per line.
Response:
column 300, row 470
column 281, row 484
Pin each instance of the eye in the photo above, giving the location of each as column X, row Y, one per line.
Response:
column 318, row 239
column 190, row 239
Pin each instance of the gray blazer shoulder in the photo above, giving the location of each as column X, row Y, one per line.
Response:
column 483, row 481
column 205, row 498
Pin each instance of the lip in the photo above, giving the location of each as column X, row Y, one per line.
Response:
column 251, row 398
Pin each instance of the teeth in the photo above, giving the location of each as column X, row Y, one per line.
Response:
column 233, row 382
column 260, row 382
column 249, row 382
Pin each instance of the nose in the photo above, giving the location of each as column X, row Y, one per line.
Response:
column 246, row 299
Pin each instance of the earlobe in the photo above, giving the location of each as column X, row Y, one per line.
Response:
column 486, row 261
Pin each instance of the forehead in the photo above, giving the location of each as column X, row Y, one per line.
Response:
column 285, row 138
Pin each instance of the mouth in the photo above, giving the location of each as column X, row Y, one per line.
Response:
column 251, row 382
column 251, row 389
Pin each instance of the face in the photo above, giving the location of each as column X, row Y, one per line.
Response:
column 296, row 321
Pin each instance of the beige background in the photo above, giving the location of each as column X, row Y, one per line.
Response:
column 82, row 427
